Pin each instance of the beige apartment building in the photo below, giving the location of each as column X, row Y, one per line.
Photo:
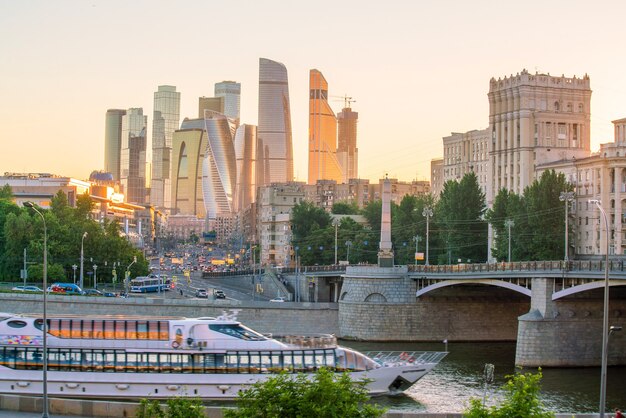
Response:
column 535, row 119
column 436, row 176
column 464, row 153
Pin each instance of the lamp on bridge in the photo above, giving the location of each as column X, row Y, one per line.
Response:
column 605, row 321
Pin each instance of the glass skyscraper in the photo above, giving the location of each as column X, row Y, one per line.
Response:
column 246, row 150
column 133, row 155
column 164, row 122
column 231, row 92
column 347, row 151
column 219, row 170
column 323, row 164
column 274, row 128
column 113, row 142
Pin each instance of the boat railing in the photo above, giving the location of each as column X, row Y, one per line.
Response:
column 389, row 358
column 310, row 341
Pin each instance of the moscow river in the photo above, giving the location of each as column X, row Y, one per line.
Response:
column 459, row 377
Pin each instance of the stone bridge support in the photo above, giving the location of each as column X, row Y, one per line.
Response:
column 568, row 332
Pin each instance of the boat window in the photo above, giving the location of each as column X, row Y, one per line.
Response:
column 75, row 331
column 255, row 363
column 87, row 329
column 109, row 330
column 298, row 361
column 288, row 361
column 66, row 325
column 39, row 324
column 120, row 330
column 237, row 331
column 16, row 324
column 164, row 330
column 98, row 328
column 276, row 360
column 142, row 330
column 153, row 330
column 131, row 330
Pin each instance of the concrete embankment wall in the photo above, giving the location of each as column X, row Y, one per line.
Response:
column 90, row 408
column 277, row 318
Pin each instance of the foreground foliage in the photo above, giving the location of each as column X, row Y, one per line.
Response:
column 177, row 407
column 521, row 400
column 286, row 396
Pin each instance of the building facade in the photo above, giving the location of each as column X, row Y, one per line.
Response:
column 323, row 163
column 133, row 155
column 165, row 121
column 274, row 128
column 535, row 119
column 215, row 104
column 246, row 153
column 464, row 153
column 231, row 92
column 113, row 141
column 188, row 148
column 219, row 166
column 347, row 151
column 274, row 204
column 436, row 177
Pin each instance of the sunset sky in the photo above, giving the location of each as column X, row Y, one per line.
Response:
column 418, row 70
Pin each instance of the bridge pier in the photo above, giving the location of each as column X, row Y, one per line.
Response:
column 567, row 332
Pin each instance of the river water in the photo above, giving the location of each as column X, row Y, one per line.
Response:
column 459, row 377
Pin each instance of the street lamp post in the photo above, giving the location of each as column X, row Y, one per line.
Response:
column 44, row 413
column 297, row 295
column 605, row 321
column 82, row 258
column 417, row 239
column 74, row 267
column 336, row 223
column 509, row 223
column 567, row 197
column 127, row 275
column 348, row 245
column 95, row 277
column 427, row 212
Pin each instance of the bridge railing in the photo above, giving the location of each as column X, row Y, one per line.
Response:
column 576, row 265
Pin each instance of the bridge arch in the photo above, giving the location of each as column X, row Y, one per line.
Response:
column 491, row 282
column 585, row 287
column 376, row 298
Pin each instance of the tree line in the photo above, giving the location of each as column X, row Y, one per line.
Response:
column 22, row 228
column 457, row 228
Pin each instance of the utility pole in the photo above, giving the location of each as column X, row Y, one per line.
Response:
column 25, row 271
column 567, row 197
column 336, row 223
column 417, row 239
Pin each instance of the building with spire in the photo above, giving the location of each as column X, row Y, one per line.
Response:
column 323, row 163
column 165, row 121
column 274, row 128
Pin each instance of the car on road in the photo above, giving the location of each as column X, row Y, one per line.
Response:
column 27, row 289
column 92, row 292
column 278, row 299
column 202, row 293
column 219, row 294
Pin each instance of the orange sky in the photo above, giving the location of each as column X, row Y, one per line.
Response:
column 417, row 71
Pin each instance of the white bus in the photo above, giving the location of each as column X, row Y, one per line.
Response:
column 147, row 284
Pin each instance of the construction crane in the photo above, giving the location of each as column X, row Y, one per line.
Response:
column 347, row 100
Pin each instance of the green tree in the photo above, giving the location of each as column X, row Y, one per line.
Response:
column 521, row 400
column 177, row 407
column 345, row 208
column 459, row 212
column 325, row 395
column 545, row 212
column 306, row 217
column 6, row 192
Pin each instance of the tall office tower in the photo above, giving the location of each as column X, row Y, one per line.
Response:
column 164, row 122
column 113, row 141
column 215, row 104
column 231, row 92
column 188, row 147
column 275, row 121
column 246, row 155
column 347, row 152
column 133, row 155
column 534, row 119
column 219, row 166
column 323, row 163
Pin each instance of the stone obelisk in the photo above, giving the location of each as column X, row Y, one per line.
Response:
column 385, row 250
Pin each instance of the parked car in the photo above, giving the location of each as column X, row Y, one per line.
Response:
column 27, row 289
column 202, row 293
column 219, row 294
column 109, row 294
column 92, row 292
column 278, row 299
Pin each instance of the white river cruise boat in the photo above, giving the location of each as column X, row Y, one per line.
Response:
column 210, row 358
